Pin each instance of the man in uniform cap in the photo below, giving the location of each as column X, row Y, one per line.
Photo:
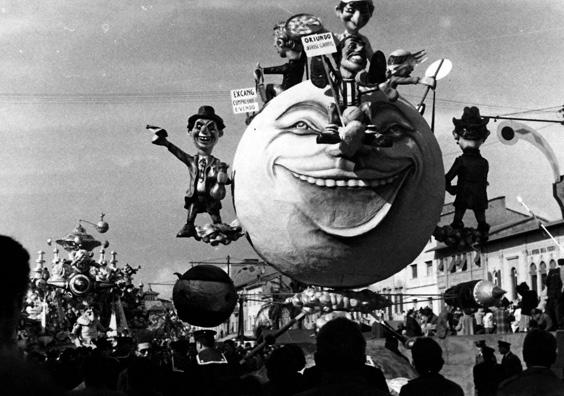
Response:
column 487, row 372
column 539, row 353
column 208, row 175
column 205, row 346
column 510, row 363
column 212, row 369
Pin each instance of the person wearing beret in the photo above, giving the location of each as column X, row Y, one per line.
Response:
column 470, row 168
column 510, row 363
column 208, row 175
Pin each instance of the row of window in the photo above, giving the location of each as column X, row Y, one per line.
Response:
column 428, row 269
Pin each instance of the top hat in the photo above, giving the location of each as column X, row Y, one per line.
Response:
column 207, row 113
column 471, row 125
column 199, row 334
column 502, row 343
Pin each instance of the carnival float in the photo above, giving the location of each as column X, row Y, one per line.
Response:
column 337, row 182
column 79, row 299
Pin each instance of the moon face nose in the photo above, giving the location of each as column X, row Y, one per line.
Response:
column 351, row 136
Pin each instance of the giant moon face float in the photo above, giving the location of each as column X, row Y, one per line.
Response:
column 332, row 215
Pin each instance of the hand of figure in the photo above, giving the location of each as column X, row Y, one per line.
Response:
column 429, row 81
column 159, row 140
column 258, row 73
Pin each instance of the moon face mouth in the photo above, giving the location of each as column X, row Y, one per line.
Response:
column 347, row 206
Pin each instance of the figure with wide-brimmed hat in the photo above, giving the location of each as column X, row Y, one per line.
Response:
column 207, row 176
column 471, row 171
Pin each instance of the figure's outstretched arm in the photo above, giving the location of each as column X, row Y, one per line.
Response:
column 282, row 69
column 179, row 153
column 160, row 139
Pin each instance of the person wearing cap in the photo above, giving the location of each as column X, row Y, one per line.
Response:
column 510, row 363
column 355, row 14
column 212, row 369
column 143, row 350
column 470, row 168
column 208, row 175
column 487, row 373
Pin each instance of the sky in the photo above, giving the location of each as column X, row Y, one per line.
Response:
column 80, row 80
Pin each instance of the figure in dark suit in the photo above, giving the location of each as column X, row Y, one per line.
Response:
column 510, row 363
column 554, row 303
column 207, row 174
column 470, row 168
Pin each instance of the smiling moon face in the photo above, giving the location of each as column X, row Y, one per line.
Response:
column 343, row 214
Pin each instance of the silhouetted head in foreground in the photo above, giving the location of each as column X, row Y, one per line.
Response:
column 539, row 348
column 340, row 346
column 14, row 265
column 427, row 356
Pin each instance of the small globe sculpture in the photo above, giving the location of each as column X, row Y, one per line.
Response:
column 204, row 296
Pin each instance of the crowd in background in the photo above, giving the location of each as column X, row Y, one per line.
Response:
column 124, row 366
column 519, row 316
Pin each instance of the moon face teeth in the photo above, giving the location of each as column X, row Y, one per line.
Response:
column 349, row 183
column 330, row 183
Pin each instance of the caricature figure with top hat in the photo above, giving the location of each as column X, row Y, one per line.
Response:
column 207, row 174
column 471, row 170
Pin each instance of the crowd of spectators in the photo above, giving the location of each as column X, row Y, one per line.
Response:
column 123, row 366
column 520, row 316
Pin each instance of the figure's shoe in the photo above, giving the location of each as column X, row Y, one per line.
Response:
column 187, row 231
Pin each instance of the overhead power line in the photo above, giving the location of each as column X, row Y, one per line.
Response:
column 183, row 97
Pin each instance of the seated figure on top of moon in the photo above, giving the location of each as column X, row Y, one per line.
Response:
column 345, row 212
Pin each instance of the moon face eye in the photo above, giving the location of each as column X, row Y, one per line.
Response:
column 301, row 125
column 397, row 131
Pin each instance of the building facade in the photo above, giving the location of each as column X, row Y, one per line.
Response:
column 518, row 250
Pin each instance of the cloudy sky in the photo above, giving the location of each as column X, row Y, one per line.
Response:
column 81, row 79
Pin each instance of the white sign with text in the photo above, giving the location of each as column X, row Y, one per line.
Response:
column 244, row 100
column 319, row 44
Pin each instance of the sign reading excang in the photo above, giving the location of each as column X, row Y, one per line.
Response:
column 244, row 100
column 319, row 44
